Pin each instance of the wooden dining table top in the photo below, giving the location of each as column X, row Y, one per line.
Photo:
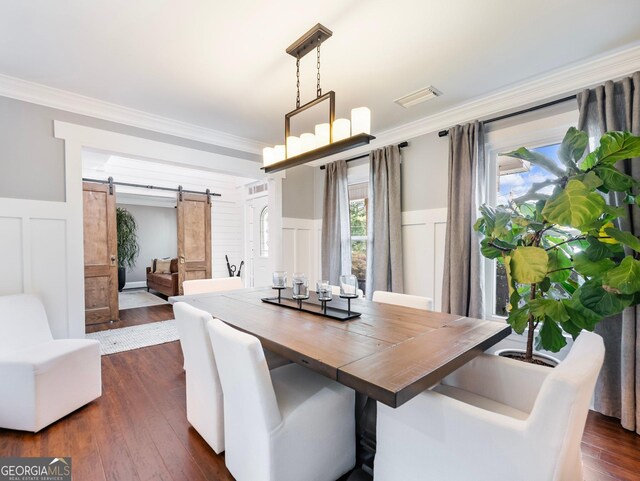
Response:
column 390, row 353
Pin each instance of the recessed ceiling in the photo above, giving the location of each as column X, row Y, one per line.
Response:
column 222, row 64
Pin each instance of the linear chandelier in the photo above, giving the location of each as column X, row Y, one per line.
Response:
column 329, row 138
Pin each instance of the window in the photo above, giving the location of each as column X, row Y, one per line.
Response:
column 264, row 232
column 514, row 179
column 358, row 194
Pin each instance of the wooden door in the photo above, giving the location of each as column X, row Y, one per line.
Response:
column 100, row 253
column 194, row 237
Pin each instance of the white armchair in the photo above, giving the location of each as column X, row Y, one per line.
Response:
column 290, row 424
column 202, row 286
column 41, row 379
column 205, row 410
column 406, row 300
column 494, row 419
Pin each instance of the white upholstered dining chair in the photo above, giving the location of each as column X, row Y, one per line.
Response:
column 288, row 424
column 42, row 379
column 202, row 286
column 406, row 300
column 204, row 393
column 494, row 419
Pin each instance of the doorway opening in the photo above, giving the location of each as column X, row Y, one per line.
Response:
column 179, row 235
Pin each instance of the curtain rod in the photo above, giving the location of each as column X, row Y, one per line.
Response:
column 444, row 133
column 110, row 181
column 400, row 146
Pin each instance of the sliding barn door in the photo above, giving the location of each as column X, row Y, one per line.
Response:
column 194, row 237
column 100, row 253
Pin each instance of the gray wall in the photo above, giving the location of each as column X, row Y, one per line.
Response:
column 32, row 160
column 298, row 192
column 157, row 236
column 425, row 174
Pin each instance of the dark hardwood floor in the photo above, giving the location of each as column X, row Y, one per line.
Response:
column 138, row 430
column 136, row 316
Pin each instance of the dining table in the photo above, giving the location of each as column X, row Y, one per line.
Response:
column 389, row 353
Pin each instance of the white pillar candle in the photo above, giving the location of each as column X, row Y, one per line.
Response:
column 360, row 121
column 294, row 147
column 278, row 153
column 341, row 129
column 268, row 156
column 308, row 142
column 322, row 134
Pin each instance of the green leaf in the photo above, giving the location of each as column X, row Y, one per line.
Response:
column 529, row 264
column 571, row 328
column 613, row 179
column 627, row 238
column 615, row 146
column 551, row 308
column 537, row 159
column 545, row 285
column 601, row 301
column 501, row 220
column 579, row 315
column 550, row 337
column 590, row 180
column 625, row 277
column 557, row 268
column 518, row 319
column 589, row 268
column 614, row 211
column 573, row 206
column 597, row 250
column 489, row 251
column 572, row 148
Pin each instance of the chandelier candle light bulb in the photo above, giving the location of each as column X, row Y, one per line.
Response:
column 308, row 142
column 322, row 134
column 341, row 129
column 360, row 121
column 294, row 146
column 278, row 153
column 268, row 156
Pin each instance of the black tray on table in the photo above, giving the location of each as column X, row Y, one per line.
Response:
column 306, row 305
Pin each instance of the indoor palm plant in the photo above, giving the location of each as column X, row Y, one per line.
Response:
column 568, row 266
column 128, row 247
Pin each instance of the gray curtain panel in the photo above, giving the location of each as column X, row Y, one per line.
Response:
column 336, row 230
column 463, row 266
column 384, row 229
column 610, row 107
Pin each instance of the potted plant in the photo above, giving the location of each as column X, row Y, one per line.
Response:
column 128, row 247
column 567, row 264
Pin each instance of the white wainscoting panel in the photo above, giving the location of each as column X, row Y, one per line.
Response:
column 423, row 241
column 301, row 248
column 35, row 243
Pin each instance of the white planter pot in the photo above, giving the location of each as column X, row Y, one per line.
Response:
column 552, row 361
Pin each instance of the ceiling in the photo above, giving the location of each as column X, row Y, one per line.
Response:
column 222, row 64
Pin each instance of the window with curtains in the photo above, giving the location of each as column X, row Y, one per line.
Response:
column 358, row 195
column 508, row 178
column 514, row 179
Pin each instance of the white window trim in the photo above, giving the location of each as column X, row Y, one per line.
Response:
column 535, row 134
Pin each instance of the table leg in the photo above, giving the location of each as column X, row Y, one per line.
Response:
column 366, row 412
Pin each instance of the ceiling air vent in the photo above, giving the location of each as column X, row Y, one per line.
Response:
column 256, row 189
column 418, row 97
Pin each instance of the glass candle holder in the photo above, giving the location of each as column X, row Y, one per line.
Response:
column 300, row 285
column 279, row 279
column 348, row 286
column 323, row 289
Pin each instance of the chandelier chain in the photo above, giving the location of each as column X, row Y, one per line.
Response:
column 297, row 82
column 318, row 89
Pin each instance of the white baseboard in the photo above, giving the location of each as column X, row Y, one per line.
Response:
column 135, row 285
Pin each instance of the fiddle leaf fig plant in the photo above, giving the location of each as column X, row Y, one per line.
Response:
column 567, row 264
column 127, row 230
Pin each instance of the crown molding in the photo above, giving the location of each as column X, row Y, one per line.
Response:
column 549, row 86
column 71, row 102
